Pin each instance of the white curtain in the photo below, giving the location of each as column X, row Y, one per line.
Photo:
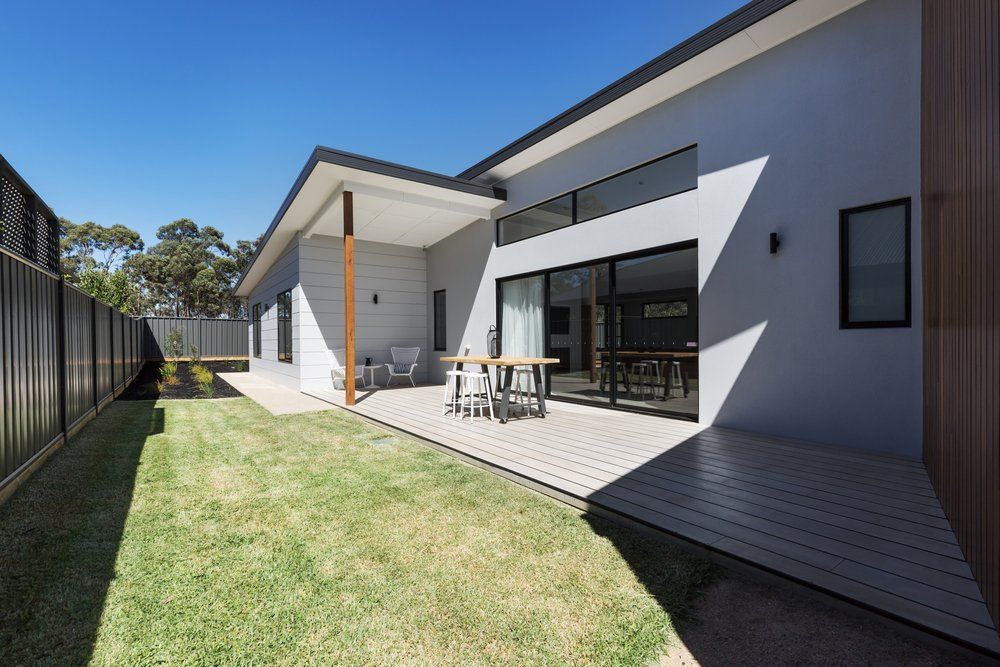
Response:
column 521, row 311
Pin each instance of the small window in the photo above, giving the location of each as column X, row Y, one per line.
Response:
column 656, row 180
column 440, row 322
column 663, row 177
column 664, row 309
column 875, row 265
column 256, row 330
column 285, row 326
column 555, row 214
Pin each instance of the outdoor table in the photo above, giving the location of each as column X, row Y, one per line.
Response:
column 508, row 364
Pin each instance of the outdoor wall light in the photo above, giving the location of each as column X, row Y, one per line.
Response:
column 775, row 242
column 375, row 298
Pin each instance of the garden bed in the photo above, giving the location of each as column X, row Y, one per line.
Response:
column 151, row 384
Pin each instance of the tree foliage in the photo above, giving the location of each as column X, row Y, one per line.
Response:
column 114, row 288
column 190, row 271
column 93, row 246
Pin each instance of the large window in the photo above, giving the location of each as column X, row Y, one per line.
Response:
column 440, row 322
column 256, row 330
column 285, row 326
column 875, row 265
column 661, row 178
column 645, row 357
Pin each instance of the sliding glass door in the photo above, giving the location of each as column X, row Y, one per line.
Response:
column 625, row 330
column 522, row 312
column 577, row 332
column 657, row 351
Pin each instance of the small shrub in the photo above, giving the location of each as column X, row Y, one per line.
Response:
column 173, row 345
column 200, row 373
column 195, row 355
column 168, row 370
column 240, row 366
column 204, row 378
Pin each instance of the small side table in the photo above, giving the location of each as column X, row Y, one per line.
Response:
column 371, row 375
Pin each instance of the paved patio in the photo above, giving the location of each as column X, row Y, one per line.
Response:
column 863, row 527
column 273, row 397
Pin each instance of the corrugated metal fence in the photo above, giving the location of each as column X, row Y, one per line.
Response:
column 215, row 339
column 65, row 356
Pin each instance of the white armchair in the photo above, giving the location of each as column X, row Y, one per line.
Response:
column 404, row 360
column 337, row 370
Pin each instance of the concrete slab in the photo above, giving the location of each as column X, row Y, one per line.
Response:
column 273, row 397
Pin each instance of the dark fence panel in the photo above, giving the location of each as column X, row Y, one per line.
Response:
column 80, row 392
column 64, row 356
column 119, row 349
column 105, row 377
column 29, row 308
column 225, row 339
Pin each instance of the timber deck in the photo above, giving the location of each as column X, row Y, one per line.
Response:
column 863, row 527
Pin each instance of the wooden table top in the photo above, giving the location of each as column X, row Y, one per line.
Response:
column 501, row 361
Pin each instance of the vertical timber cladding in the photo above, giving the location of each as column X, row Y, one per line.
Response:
column 960, row 172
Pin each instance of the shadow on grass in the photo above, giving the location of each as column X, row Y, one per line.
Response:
column 60, row 534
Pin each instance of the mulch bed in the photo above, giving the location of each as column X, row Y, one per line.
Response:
column 144, row 387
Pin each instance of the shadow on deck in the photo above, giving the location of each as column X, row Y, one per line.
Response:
column 862, row 527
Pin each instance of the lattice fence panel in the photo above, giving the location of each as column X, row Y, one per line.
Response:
column 24, row 230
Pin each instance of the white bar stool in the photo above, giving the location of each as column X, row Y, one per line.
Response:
column 475, row 395
column 453, row 386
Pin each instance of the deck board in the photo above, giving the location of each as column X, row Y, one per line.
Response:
column 863, row 526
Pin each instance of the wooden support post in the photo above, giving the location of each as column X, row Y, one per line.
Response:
column 349, row 297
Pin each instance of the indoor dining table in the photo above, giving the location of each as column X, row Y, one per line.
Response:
column 507, row 363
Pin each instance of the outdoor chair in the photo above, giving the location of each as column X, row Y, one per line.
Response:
column 338, row 372
column 404, row 361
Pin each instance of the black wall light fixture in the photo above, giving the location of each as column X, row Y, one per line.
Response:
column 774, row 242
column 375, row 298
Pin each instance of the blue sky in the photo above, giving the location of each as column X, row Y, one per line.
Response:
column 143, row 112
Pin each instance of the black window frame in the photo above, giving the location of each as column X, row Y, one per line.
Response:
column 440, row 344
column 256, row 312
column 611, row 260
column 284, row 355
column 907, row 320
column 574, row 218
column 665, row 317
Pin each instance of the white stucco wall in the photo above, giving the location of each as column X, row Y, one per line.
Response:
column 314, row 269
column 398, row 274
column 826, row 121
column 282, row 275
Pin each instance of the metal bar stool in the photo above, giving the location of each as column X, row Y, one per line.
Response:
column 643, row 379
column 522, row 397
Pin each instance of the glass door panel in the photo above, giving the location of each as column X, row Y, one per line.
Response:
column 657, row 345
column 579, row 333
column 522, row 312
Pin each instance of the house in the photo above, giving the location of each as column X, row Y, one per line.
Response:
column 734, row 234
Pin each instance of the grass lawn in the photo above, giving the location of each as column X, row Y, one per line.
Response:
column 208, row 531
